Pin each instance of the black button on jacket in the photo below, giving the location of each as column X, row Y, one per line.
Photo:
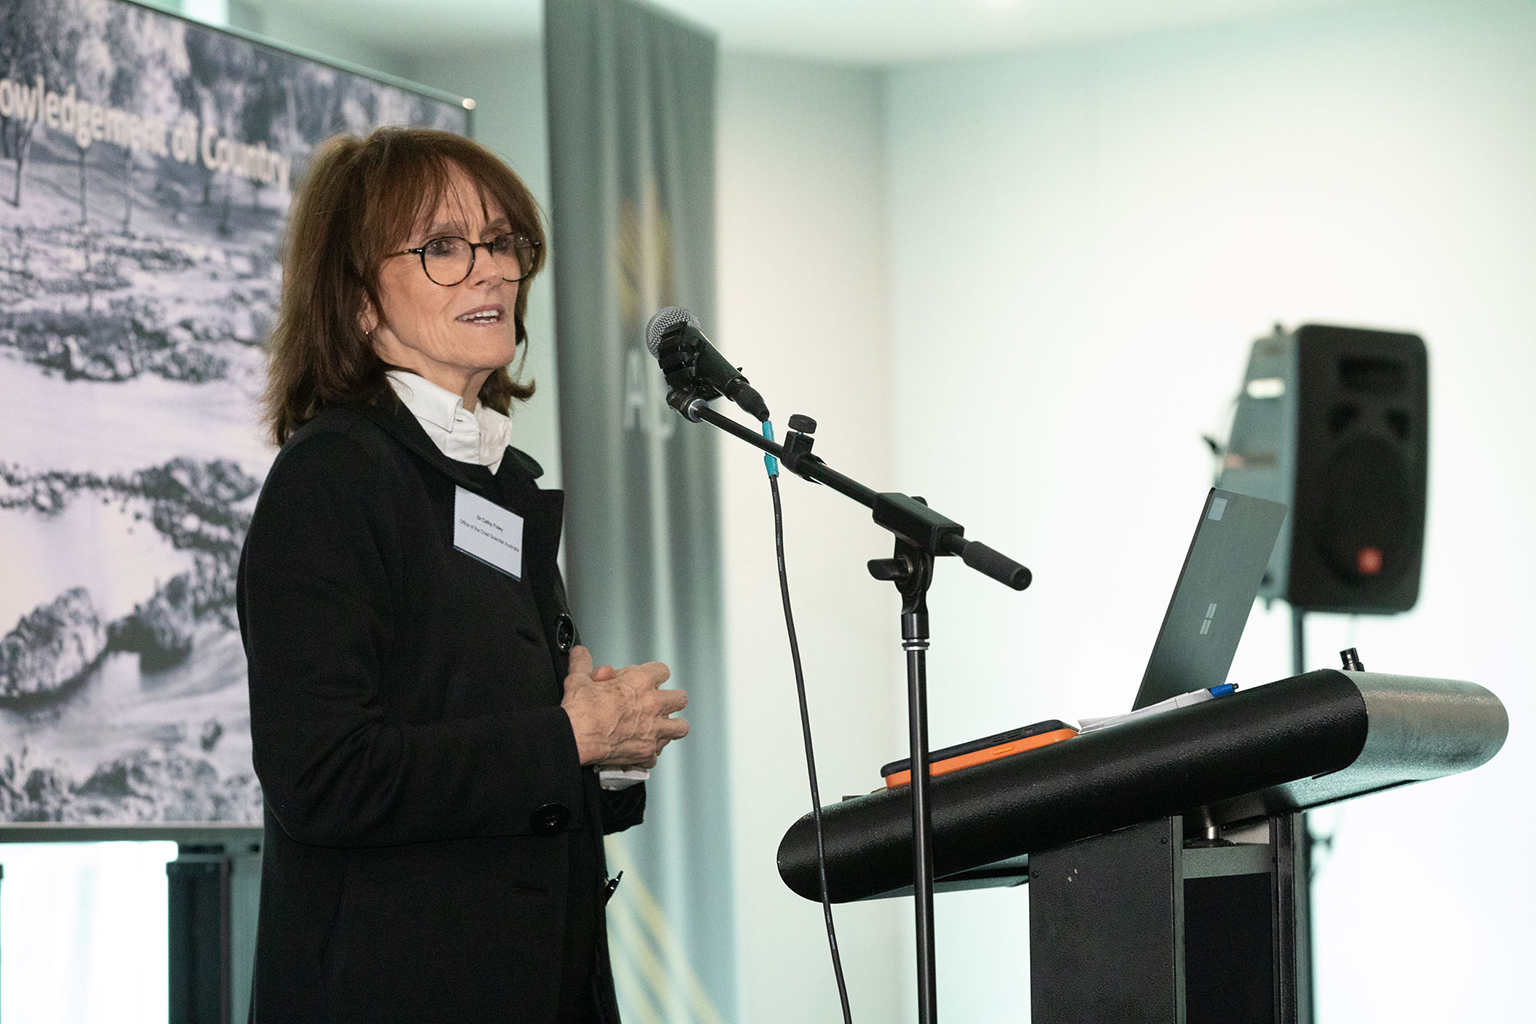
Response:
column 430, row 835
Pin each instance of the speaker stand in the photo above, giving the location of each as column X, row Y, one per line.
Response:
column 1304, row 886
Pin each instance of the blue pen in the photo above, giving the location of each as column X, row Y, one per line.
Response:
column 1183, row 700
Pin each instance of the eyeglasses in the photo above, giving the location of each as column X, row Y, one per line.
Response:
column 450, row 259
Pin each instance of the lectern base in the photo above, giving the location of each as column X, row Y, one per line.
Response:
column 1134, row 926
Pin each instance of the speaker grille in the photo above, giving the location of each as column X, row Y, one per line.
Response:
column 1360, row 479
column 1367, row 515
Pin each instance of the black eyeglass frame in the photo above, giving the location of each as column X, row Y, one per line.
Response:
column 420, row 252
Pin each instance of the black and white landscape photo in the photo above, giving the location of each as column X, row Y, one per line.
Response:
column 146, row 168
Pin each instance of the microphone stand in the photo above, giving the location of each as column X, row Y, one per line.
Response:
column 922, row 534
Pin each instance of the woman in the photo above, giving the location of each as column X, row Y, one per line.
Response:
column 426, row 731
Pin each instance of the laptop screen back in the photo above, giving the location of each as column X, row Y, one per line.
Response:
column 1214, row 595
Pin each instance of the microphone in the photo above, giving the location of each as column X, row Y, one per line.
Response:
column 691, row 363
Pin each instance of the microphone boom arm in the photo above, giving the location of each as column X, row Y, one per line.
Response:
column 907, row 517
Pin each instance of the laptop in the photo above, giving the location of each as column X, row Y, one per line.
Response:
column 1215, row 592
column 1201, row 630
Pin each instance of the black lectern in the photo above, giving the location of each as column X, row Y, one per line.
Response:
column 1153, row 846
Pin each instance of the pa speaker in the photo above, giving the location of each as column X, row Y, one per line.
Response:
column 1334, row 422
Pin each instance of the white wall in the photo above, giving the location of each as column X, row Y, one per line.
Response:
column 802, row 284
column 1084, row 241
column 291, row 23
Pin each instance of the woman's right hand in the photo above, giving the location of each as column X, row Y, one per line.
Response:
column 621, row 717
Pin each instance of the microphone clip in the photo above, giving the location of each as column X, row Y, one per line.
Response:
column 691, row 363
column 678, row 355
column 798, row 442
column 686, row 402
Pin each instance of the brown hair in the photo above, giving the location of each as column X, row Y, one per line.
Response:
column 361, row 198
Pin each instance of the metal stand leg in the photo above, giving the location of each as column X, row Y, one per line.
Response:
column 1302, row 843
column 916, row 646
column 911, row 569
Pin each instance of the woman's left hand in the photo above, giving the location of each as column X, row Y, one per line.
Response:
column 621, row 716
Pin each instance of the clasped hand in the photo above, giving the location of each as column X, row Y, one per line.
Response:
column 621, row 716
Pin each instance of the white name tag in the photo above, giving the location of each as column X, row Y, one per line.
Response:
column 484, row 530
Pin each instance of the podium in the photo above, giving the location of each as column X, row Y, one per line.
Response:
column 1166, row 856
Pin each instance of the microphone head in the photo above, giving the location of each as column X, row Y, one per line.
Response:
column 664, row 320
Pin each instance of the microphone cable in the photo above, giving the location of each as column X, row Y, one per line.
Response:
column 772, row 465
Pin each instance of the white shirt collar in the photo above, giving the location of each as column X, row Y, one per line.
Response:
column 480, row 437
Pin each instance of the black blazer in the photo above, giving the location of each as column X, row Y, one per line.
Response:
column 425, row 806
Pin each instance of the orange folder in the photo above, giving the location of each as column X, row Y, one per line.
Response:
column 1008, row 749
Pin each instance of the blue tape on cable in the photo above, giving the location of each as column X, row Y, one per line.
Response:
column 768, row 460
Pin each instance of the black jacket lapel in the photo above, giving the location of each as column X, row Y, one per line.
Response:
column 401, row 424
column 542, row 512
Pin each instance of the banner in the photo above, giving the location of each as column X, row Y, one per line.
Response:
column 632, row 144
column 146, row 170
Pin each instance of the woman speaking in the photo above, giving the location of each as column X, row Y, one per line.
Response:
column 426, row 729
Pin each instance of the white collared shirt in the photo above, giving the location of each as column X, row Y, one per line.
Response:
column 480, row 437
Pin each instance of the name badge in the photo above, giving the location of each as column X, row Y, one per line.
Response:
column 485, row 531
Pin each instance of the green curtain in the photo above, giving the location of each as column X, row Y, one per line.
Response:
column 632, row 143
